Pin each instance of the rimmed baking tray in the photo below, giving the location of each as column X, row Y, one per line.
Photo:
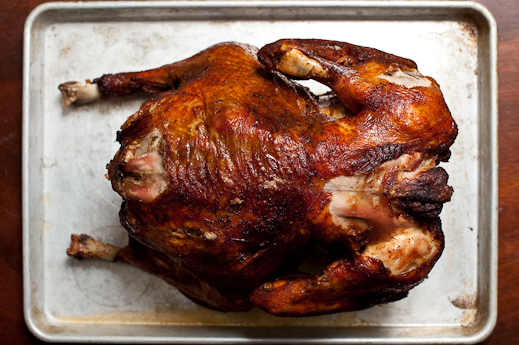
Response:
column 65, row 151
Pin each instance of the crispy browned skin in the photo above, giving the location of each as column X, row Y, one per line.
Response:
column 233, row 186
column 219, row 151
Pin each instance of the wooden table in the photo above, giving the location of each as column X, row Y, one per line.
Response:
column 12, row 17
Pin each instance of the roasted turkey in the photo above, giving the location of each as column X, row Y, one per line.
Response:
column 242, row 188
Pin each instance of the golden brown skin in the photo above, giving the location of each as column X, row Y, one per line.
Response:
column 226, row 175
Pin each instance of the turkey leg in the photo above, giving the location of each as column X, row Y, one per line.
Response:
column 160, row 265
column 167, row 77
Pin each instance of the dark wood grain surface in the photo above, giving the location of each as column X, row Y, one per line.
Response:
column 12, row 18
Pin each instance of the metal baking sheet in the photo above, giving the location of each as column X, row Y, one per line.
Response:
column 65, row 152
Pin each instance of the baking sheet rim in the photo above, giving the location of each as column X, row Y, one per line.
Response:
column 492, row 43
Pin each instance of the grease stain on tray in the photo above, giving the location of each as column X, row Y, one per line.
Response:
column 197, row 315
column 464, row 302
column 468, row 303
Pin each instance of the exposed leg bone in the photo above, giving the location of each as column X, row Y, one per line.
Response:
column 85, row 247
column 79, row 93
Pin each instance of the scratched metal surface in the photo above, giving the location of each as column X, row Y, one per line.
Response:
column 66, row 151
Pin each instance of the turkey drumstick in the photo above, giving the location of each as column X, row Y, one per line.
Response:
column 152, row 81
column 156, row 263
column 234, row 174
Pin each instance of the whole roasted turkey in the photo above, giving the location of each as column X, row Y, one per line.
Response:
column 242, row 188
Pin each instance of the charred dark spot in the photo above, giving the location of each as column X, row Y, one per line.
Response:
column 444, row 156
column 422, row 196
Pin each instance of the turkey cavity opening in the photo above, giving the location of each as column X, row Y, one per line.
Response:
column 359, row 202
column 145, row 176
